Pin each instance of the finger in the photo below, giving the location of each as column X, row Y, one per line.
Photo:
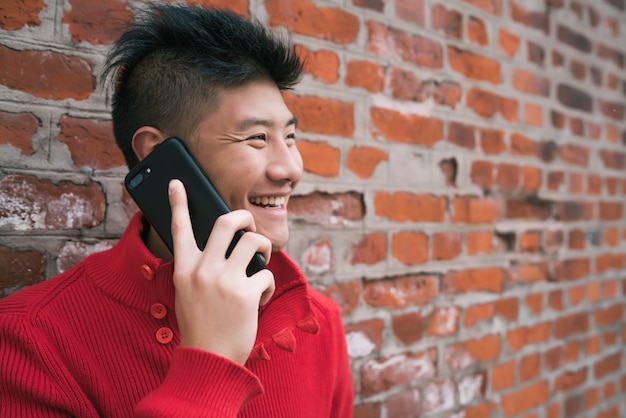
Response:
column 224, row 230
column 182, row 232
column 264, row 280
column 249, row 244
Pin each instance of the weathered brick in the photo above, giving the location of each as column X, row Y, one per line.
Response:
column 492, row 141
column 28, row 203
column 97, row 22
column 20, row 268
column 327, row 209
column 573, row 324
column 346, row 295
column 438, row 396
column 574, row 39
column 490, row 6
column 477, row 31
column 449, row 21
column 446, row 246
column 462, row 135
column 443, row 321
column 404, row 404
column 528, row 82
column 477, row 313
column 411, row 11
column 91, row 143
column 400, row 292
column 15, row 15
column 46, row 74
column 305, row 18
column 386, row 373
column 371, row 249
column 365, row 337
column 74, row 252
column 574, row 98
column 530, row 18
column 529, row 208
column 482, row 174
column 377, row 5
column 393, row 43
column 363, row 161
column 17, row 129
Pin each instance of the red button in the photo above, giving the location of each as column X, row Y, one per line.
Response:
column 147, row 272
column 158, row 310
column 164, row 335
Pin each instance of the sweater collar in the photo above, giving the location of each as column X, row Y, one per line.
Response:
column 131, row 274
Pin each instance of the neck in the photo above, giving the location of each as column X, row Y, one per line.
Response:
column 157, row 247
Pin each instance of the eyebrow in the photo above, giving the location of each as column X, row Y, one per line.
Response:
column 248, row 123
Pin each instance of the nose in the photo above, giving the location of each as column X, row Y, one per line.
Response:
column 284, row 162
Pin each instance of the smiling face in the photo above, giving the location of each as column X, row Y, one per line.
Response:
column 246, row 146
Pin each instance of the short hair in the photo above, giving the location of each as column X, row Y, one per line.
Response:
column 168, row 68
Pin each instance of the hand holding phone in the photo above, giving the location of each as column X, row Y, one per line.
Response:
column 147, row 183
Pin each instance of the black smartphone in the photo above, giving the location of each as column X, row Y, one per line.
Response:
column 147, row 184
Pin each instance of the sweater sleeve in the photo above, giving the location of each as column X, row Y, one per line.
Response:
column 200, row 384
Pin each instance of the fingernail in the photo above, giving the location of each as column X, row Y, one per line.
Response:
column 172, row 187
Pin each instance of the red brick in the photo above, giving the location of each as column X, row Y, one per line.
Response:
column 346, row 295
column 532, row 19
column 507, row 308
column 572, row 269
column 408, row 207
column 408, row 328
column 492, row 141
column 552, row 358
column 17, row 130
column 508, row 108
column 508, row 176
column 609, row 364
column 322, row 64
column 481, row 174
column 480, row 410
column 534, row 302
column 574, row 154
column 570, row 380
column 525, row 399
column 570, row 325
column 609, row 316
column 365, row 337
column 489, row 6
column 448, row 21
column 524, row 146
column 407, row 129
column 533, row 115
column 446, row 246
column 305, row 18
column 367, row 410
column 478, row 242
column 556, row 179
column 473, row 210
column 409, row 248
column 74, row 252
column 477, row 31
column 367, row 75
column 606, row 262
column 91, row 143
column 363, row 161
column 573, row 211
column 508, row 42
column 20, row 268
column 96, row 22
column 474, row 280
column 17, row 14
column 473, row 66
column 529, row 367
column 326, row 209
column 320, row 158
column 613, row 159
column 610, row 211
column 386, row 373
column 393, row 43
column 323, row 116
column 555, row 300
column 483, row 102
column 398, row 293
column 519, row 337
column 377, row 5
column 503, row 376
column 531, row 272
column 317, row 258
column 371, row 249
column 28, row 203
column 443, row 321
column 48, row 75
column 528, row 209
column 484, row 349
column 462, row 135
column 404, row 404
column 477, row 313
column 530, row 83
column 411, row 11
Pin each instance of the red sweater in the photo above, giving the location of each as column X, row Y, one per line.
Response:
column 101, row 340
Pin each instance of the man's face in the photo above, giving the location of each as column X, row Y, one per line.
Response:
column 247, row 148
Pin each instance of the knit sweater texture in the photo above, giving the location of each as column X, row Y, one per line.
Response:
column 101, row 340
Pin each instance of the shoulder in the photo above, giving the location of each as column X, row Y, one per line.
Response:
column 325, row 306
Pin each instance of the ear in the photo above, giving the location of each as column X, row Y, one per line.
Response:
column 145, row 140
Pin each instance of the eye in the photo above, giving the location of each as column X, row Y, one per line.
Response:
column 259, row 137
column 291, row 138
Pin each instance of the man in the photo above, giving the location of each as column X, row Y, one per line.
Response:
column 137, row 331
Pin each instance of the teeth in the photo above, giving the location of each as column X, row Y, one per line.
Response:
column 272, row 201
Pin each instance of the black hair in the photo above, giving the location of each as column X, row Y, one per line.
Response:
column 169, row 66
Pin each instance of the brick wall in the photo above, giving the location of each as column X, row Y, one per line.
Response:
column 463, row 199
